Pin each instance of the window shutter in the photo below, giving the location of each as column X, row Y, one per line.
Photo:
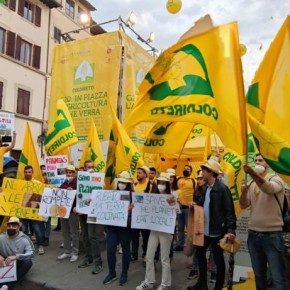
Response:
column 21, row 7
column 12, row 5
column 10, row 48
column 37, row 16
column 36, row 56
column 18, row 47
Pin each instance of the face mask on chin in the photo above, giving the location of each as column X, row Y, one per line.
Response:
column 122, row 186
column 69, row 178
column 259, row 169
column 161, row 187
column 11, row 232
column 186, row 173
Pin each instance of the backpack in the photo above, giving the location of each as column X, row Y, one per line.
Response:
column 285, row 213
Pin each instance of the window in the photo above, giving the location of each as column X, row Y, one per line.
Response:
column 30, row 11
column 11, row 4
column 25, row 52
column 2, row 40
column 57, row 34
column 70, row 8
column 10, row 47
column 23, row 102
column 1, row 94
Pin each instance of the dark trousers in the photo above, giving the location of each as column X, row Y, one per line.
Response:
column 116, row 235
column 37, row 229
column 218, row 258
column 135, row 242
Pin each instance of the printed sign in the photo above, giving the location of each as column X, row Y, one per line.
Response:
column 21, row 198
column 8, row 273
column 6, row 124
column 110, row 207
column 57, row 202
column 87, row 182
column 55, row 169
column 154, row 212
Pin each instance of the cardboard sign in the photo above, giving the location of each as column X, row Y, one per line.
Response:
column 57, row 202
column 6, row 123
column 86, row 183
column 55, row 169
column 8, row 273
column 109, row 207
column 153, row 212
column 21, row 198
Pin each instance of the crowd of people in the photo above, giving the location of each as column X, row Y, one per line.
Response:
column 264, row 195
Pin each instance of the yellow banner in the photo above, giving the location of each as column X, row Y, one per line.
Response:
column 198, row 80
column 85, row 73
column 21, row 198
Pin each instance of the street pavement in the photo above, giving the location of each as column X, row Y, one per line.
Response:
column 48, row 273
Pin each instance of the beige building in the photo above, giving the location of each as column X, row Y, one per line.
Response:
column 29, row 29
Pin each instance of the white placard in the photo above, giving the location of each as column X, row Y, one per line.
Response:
column 55, row 169
column 57, row 202
column 87, row 182
column 109, row 207
column 8, row 273
column 6, row 123
column 153, row 212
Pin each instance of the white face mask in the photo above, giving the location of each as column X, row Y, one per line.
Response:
column 91, row 170
column 69, row 178
column 122, row 186
column 161, row 187
column 259, row 169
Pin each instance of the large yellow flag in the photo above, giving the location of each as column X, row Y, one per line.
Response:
column 93, row 150
column 268, row 104
column 198, row 80
column 28, row 156
column 62, row 133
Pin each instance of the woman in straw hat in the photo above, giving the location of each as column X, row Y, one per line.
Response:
column 122, row 235
column 156, row 238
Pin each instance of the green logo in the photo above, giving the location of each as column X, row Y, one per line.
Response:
column 162, row 130
column 23, row 159
column 84, row 73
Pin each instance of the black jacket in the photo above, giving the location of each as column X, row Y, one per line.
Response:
column 222, row 212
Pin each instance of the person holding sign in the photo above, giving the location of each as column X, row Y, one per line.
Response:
column 116, row 235
column 16, row 246
column 5, row 149
column 156, row 238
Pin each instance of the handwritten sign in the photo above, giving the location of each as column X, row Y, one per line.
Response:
column 86, row 183
column 55, row 169
column 21, row 198
column 6, row 123
column 109, row 207
column 8, row 273
column 153, row 212
column 57, row 202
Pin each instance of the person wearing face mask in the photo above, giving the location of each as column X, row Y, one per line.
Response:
column 156, row 238
column 265, row 195
column 70, row 227
column 186, row 186
column 92, row 236
column 16, row 246
column 122, row 235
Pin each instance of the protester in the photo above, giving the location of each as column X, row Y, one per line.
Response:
column 16, row 246
column 122, row 235
column 152, row 177
column 92, row 235
column 186, row 186
column 5, row 149
column 265, row 194
column 219, row 221
column 36, row 226
column 156, row 238
column 70, row 226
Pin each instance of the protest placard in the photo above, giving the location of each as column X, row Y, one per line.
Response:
column 21, row 198
column 57, row 202
column 6, row 123
column 8, row 273
column 86, row 183
column 55, row 169
column 109, row 207
column 153, row 212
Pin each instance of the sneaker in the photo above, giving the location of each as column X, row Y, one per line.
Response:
column 85, row 263
column 63, row 256
column 110, row 278
column 97, row 269
column 40, row 250
column 144, row 286
column 192, row 275
column 178, row 249
column 74, row 258
column 4, row 287
column 212, row 277
column 123, row 279
column 162, row 287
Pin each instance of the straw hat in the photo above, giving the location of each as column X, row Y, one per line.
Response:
column 125, row 177
column 212, row 165
column 15, row 220
column 70, row 168
column 145, row 169
column 164, row 176
column 171, row 171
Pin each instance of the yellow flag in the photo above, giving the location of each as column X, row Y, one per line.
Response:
column 207, row 145
column 93, row 150
column 28, row 156
column 198, row 80
column 62, row 134
column 268, row 104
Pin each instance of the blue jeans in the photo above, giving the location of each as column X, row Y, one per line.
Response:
column 116, row 235
column 37, row 229
column 267, row 248
column 182, row 222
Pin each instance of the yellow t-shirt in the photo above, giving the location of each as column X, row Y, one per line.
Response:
column 140, row 187
column 185, row 192
column 3, row 150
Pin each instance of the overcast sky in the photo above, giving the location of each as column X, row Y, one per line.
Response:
column 259, row 21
